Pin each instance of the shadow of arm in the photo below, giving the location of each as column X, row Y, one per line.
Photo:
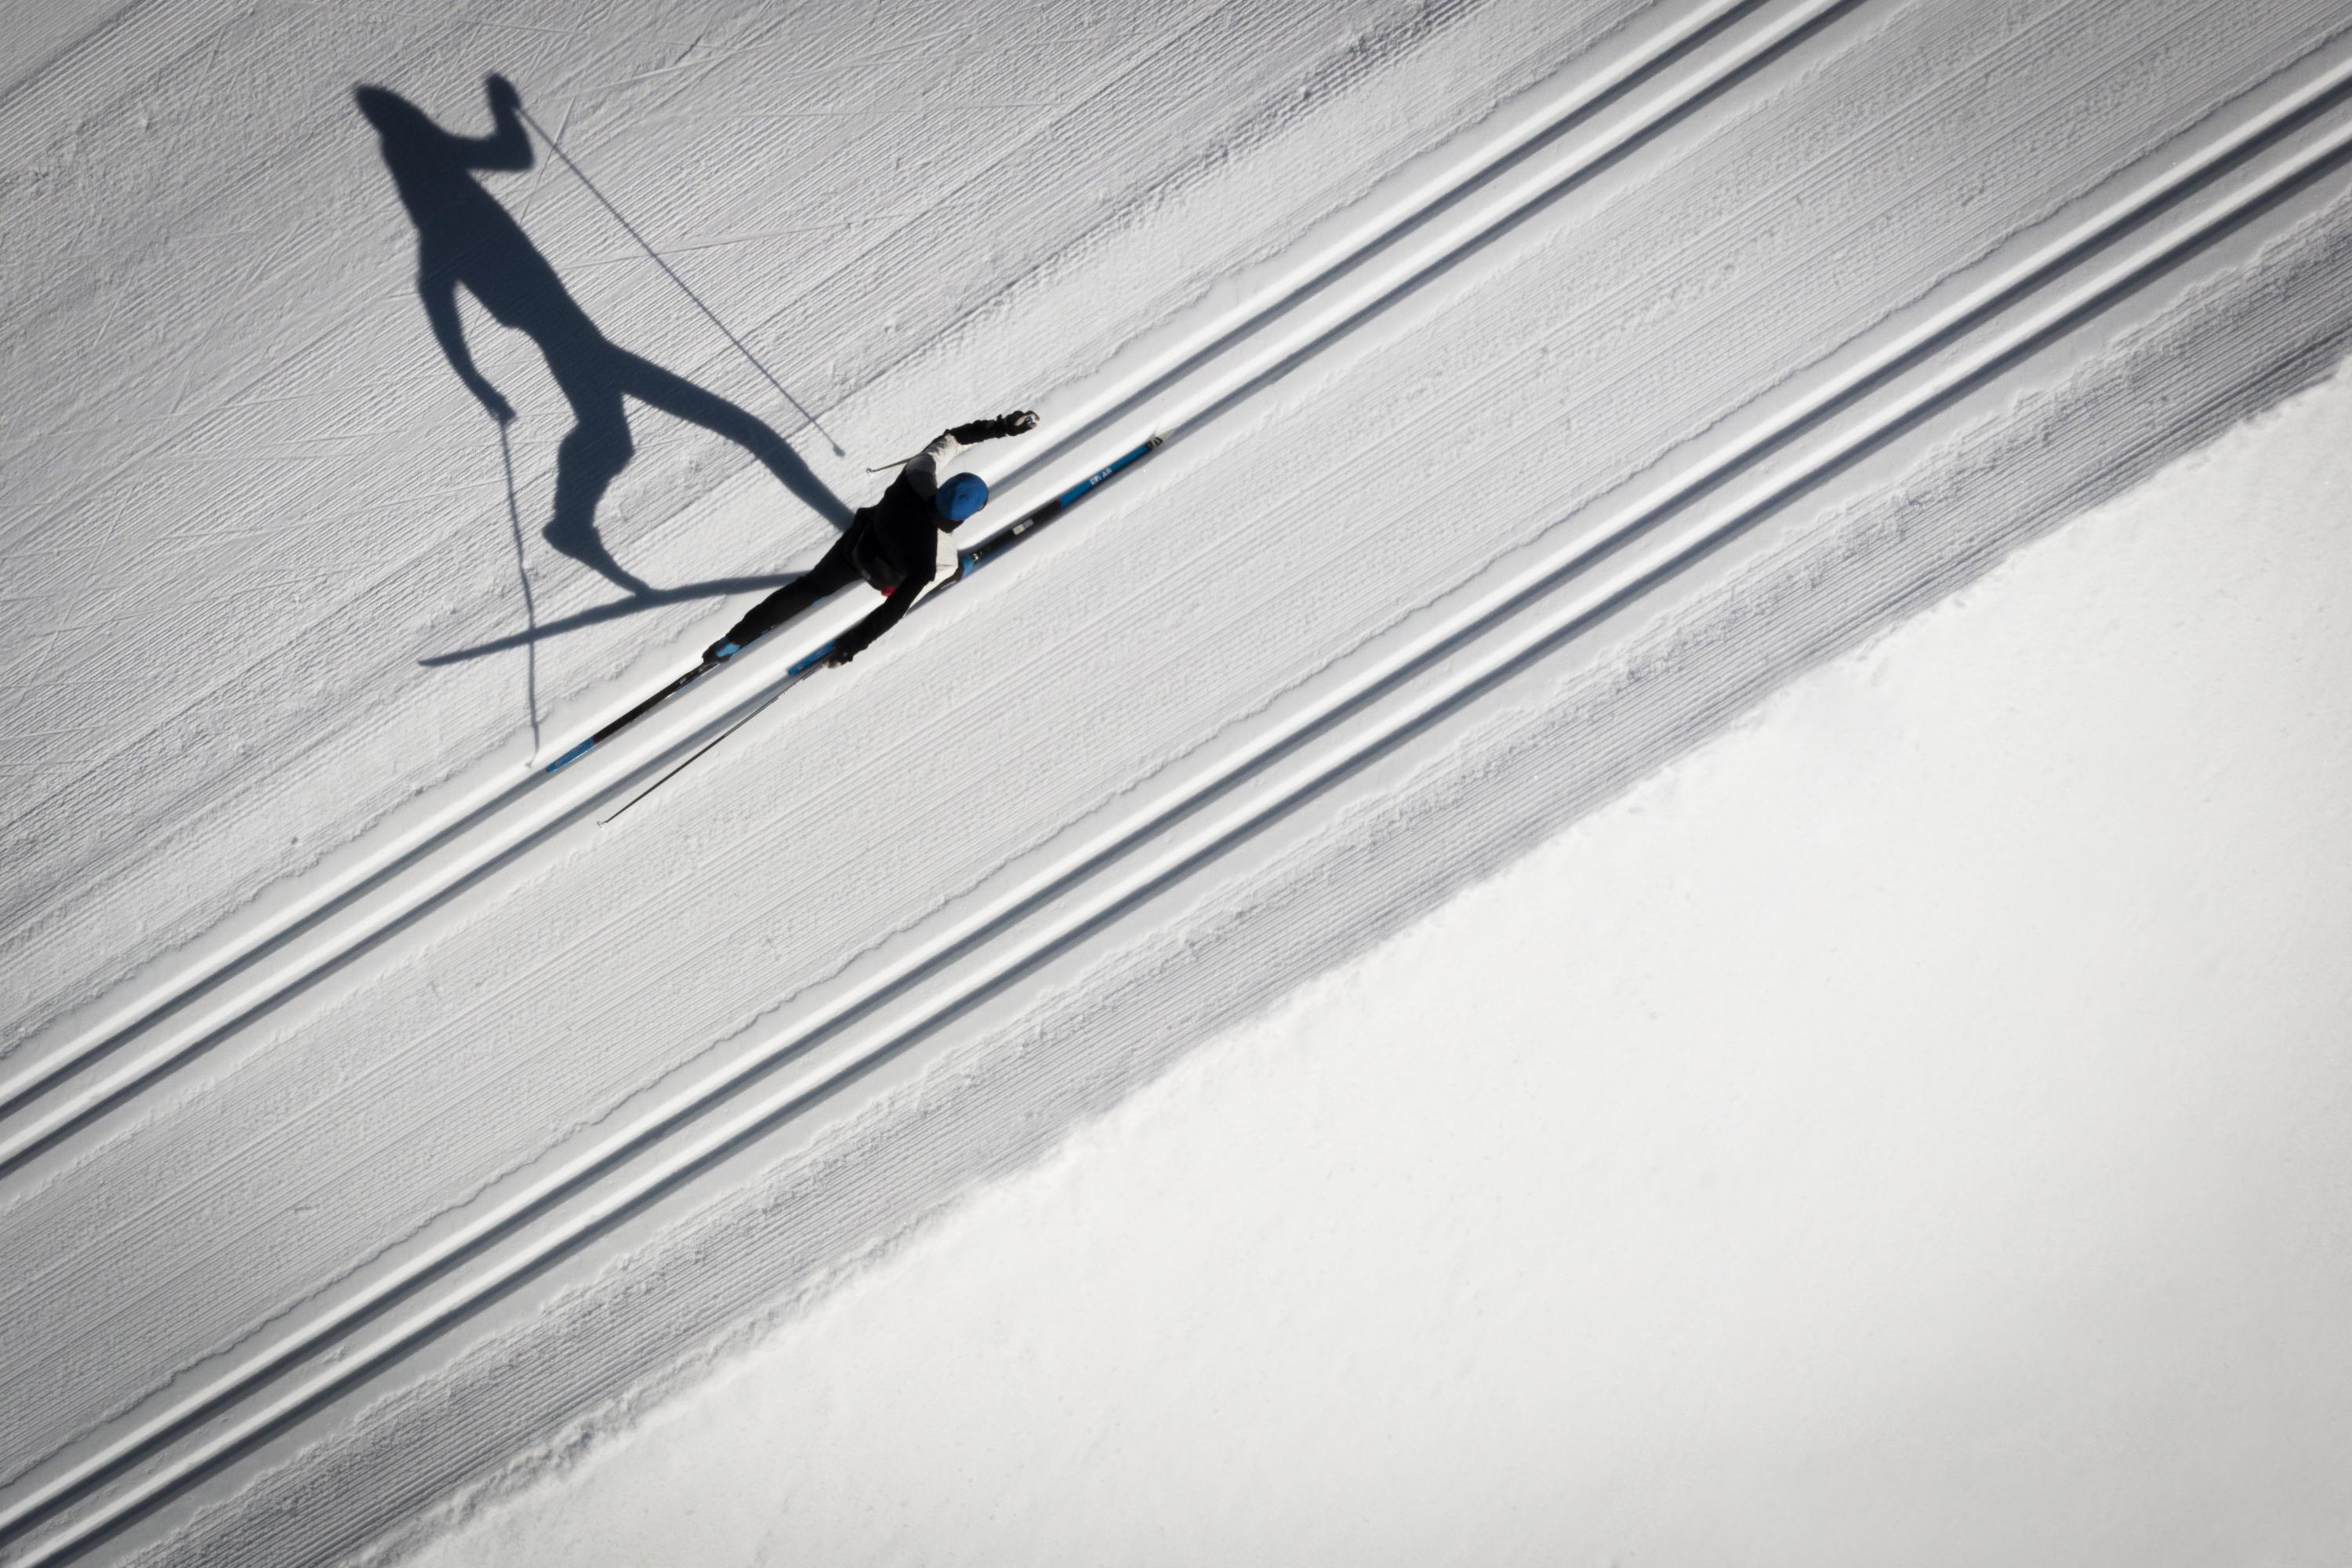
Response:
column 438, row 288
column 508, row 145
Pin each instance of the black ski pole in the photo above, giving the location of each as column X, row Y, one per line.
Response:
column 792, row 678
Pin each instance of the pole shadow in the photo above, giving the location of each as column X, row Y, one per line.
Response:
column 465, row 237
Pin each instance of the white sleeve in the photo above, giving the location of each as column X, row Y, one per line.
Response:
column 927, row 463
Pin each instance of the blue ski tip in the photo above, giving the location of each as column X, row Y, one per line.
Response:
column 572, row 756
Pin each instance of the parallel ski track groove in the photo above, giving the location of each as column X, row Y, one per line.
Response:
column 2063, row 280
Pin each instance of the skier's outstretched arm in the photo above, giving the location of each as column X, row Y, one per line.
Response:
column 956, row 437
column 887, row 614
column 508, row 145
column 1004, row 425
column 437, row 287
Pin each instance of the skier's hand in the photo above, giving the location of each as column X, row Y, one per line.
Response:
column 1015, row 423
column 839, row 657
column 502, row 92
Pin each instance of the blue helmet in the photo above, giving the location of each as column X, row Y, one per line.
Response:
column 961, row 496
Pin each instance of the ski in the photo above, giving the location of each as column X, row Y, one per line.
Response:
column 997, row 543
column 968, row 562
column 632, row 716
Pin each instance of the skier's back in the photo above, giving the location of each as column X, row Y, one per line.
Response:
column 898, row 545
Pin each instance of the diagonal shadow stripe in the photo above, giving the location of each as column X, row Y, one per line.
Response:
column 714, row 588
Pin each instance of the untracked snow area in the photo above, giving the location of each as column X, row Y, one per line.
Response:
column 1542, row 385
column 1908, row 1129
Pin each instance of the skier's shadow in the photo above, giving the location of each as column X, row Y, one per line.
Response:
column 465, row 237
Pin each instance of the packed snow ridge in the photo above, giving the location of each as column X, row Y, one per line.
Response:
column 1538, row 386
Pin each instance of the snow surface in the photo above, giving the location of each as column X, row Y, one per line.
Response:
column 1910, row 1128
column 1544, row 385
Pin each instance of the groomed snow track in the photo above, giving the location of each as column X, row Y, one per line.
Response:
column 1608, row 594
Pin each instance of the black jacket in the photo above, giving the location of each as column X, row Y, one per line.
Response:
column 896, row 541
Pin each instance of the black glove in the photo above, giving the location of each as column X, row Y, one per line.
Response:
column 994, row 429
column 839, row 657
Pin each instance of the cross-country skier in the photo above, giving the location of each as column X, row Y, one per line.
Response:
column 898, row 545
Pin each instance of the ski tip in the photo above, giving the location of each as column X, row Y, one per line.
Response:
column 572, row 756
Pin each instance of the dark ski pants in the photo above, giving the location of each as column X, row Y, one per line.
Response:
column 833, row 571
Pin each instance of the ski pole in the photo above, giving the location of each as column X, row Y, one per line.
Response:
column 529, row 605
column 792, row 678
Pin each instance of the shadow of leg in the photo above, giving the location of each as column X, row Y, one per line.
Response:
column 680, row 399
column 591, row 457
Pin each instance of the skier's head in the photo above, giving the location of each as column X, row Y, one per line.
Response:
column 960, row 496
column 392, row 115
